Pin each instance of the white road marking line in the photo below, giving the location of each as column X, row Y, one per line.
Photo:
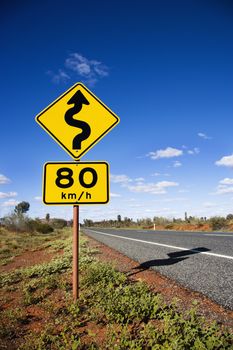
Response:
column 164, row 245
column 217, row 235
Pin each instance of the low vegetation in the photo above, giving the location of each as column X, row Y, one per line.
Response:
column 15, row 243
column 191, row 223
column 38, row 313
column 20, row 222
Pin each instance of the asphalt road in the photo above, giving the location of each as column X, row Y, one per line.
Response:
column 200, row 261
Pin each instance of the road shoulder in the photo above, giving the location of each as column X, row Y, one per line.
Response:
column 163, row 285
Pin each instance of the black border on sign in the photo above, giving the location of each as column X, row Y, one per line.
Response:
column 76, row 203
column 57, row 140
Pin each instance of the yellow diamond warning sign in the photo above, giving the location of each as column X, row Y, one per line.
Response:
column 77, row 120
column 76, row 183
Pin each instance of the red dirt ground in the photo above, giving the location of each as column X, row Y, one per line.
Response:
column 37, row 317
column 185, row 227
column 27, row 259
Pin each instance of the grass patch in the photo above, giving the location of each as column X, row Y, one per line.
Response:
column 57, row 265
column 16, row 243
column 112, row 312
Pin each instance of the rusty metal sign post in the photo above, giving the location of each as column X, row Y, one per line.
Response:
column 76, row 120
column 75, row 252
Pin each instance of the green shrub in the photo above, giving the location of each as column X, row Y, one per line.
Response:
column 37, row 225
column 175, row 333
column 15, row 222
column 21, row 223
column 58, row 223
column 44, row 228
column 169, row 226
column 57, row 265
column 128, row 303
column 104, row 273
column 218, row 222
column 159, row 220
column 229, row 217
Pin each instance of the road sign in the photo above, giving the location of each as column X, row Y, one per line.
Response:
column 77, row 120
column 76, row 183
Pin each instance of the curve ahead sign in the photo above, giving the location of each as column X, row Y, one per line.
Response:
column 77, row 120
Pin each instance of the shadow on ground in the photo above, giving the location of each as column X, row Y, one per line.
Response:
column 173, row 258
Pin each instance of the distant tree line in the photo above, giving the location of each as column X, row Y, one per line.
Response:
column 215, row 222
column 19, row 221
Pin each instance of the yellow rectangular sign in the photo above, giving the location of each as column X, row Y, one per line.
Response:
column 76, row 183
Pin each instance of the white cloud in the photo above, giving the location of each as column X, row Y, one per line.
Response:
column 225, row 161
column 176, row 199
column 139, row 179
column 114, row 195
column 90, row 70
column 177, row 164
column 8, row 195
column 38, row 198
column 122, row 179
column 224, row 186
column 224, row 190
column 209, row 204
column 138, row 185
column 169, row 152
column 4, row 180
column 136, row 205
column 10, row 203
column 204, row 136
column 153, row 188
column 159, row 174
column 60, row 77
column 76, row 65
column 194, row 151
column 226, row 181
column 85, row 67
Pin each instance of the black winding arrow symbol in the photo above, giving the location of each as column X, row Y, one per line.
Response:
column 78, row 99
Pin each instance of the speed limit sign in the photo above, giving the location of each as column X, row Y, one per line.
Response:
column 76, row 183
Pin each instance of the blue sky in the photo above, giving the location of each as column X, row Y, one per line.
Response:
column 164, row 67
